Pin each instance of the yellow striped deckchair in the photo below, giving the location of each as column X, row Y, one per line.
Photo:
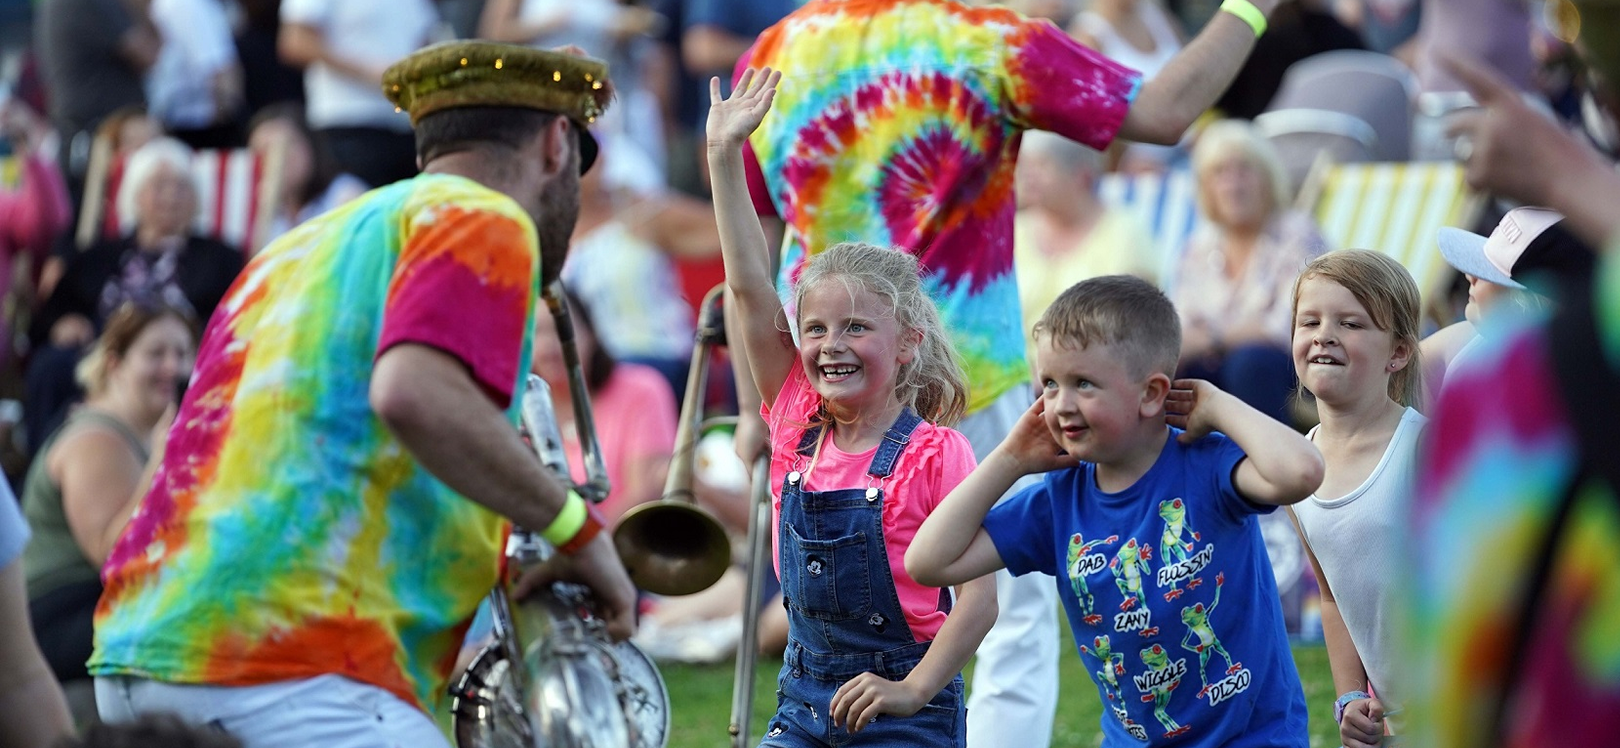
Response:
column 1395, row 208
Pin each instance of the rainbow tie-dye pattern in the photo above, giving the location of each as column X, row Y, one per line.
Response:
column 897, row 123
column 1500, row 455
column 288, row 533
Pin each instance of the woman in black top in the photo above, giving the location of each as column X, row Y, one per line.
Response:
column 159, row 262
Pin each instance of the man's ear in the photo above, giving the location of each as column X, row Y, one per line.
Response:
column 1153, row 394
column 557, row 145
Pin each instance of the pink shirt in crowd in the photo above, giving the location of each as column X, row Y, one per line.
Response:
column 935, row 460
column 634, row 413
column 31, row 215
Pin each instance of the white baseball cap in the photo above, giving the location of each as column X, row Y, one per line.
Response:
column 1492, row 258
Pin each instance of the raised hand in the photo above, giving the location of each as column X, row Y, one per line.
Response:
column 1509, row 148
column 1031, row 446
column 1187, row 407
column 732, row 120
column 864, row 697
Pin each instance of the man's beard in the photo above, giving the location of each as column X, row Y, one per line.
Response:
column 559, row 211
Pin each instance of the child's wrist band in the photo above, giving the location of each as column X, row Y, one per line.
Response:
column 1345, row 699
column 1246, row 10
column 569, row 522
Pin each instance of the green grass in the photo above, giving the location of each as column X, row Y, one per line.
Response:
column 700, row 700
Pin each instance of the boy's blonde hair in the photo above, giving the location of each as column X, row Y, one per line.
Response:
column 1124, row 311
column 1390, row 296
column 932, row 384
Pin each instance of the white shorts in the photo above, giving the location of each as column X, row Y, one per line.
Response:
column 328, row 710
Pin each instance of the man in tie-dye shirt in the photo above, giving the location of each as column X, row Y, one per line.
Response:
column 898, row 123
column 332, row 500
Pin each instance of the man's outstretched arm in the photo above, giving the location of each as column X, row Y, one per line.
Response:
column 1193, row 80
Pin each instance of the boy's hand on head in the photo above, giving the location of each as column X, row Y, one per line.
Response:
column 1030, row 445
column 732, row 120
column 864, row 697
column 1363, row 725
column 1188, row 407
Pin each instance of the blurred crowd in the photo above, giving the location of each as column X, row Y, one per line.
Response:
column 118, row 118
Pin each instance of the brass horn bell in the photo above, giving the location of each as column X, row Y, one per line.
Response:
column 672, row 546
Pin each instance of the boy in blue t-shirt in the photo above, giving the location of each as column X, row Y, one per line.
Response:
column 1153, row 539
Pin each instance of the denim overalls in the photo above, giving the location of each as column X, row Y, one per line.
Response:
column 844, row 616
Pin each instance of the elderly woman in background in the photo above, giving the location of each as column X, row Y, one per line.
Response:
column 159, row 262
column 83, row 486
column 1233, row 288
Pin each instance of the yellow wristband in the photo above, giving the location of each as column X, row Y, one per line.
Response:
column 568, row 521
column 1245, row 10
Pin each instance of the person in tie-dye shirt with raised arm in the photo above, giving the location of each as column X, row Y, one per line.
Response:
column 898, row 124
column 332, row 500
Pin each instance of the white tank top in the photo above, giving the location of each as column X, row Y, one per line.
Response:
column 1360, row 539
column 1115, row 47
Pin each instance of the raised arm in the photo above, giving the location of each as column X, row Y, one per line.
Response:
column 1281, row 466
column 1193, row 80
column 765, row 343
column 1518, row 153
column 952, row 546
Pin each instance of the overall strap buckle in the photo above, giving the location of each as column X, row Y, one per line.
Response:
column 894, row 442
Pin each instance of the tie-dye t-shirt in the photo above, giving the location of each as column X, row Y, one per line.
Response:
column 897, row 123
column 1500, row 457
column 288, row 533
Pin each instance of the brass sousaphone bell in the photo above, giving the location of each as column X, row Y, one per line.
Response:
column 672, row 546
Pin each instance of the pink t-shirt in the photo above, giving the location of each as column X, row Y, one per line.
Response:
column 936, row 459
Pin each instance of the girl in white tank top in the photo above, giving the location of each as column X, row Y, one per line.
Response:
column 1355, row 348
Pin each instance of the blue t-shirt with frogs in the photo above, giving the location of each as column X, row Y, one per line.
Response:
column 1170, row 595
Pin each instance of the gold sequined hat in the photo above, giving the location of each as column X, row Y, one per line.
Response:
column 477, row 73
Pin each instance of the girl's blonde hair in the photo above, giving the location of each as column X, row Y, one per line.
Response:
column 1387, row 291
column 123, row 327
column 932, row 383
column 1240, row 138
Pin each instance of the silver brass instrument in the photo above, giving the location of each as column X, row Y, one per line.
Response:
column 672, row 546
column 551, row 677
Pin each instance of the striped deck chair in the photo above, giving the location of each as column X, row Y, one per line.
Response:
column 237, row 195
column 1395, row 208
column 1166, row 203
